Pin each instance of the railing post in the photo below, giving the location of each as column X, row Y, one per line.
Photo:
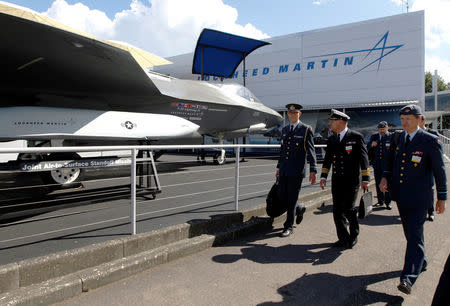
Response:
column 133, row 192
column 236, row 178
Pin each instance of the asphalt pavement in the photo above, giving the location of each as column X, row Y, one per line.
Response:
column 34, row 222
column 302, row 269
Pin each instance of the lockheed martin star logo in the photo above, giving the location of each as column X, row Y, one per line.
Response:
column 380, row 50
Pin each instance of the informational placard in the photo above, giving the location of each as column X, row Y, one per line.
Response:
column 37, row 166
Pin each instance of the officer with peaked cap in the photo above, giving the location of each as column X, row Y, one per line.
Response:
column 434, row 132
column 347, row 153
column 377, row 147
column 297, row 146
column 410, row 168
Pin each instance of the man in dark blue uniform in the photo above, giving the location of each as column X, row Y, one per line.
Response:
column 377, row 147
column 297, row 145
column 410, row 168
column 347, row 152
column 434, row 132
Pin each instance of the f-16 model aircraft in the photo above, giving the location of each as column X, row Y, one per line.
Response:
column 59, row 87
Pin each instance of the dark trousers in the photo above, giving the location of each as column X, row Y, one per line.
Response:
column 383, row 197
column 344, row 198
column 413, row 218
column 442, row 294
column 289, row 188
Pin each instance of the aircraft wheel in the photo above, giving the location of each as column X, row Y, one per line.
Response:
column 158, row 154
column 65, row 177
column 218, row 160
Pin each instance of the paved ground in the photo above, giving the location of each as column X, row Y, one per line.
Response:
column 33, row 223
column 299, row 270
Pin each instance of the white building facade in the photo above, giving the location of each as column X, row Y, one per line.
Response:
column 370, row 69
column 374, row 61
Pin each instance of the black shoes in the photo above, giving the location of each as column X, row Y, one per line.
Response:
column 404, row 287
column 299, row 217
column 345, row 244
column 286, row 233
column 430, row 217
column 381, row 204
column 298, row 220
column 424, row 267
column 352, row 243
column 340, row 244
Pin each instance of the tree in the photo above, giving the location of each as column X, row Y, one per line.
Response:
column 441, row 85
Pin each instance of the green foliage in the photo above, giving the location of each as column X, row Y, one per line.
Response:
column 441, row 85
column 445, row 121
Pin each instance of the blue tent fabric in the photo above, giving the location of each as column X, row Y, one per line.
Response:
column 222, row 52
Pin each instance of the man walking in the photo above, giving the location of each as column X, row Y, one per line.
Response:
column 377, row 148
column 347, row 153
column 297, row 145
column 411, row 166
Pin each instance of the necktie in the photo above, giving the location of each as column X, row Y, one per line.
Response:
column 408, row 140
column 292, row 128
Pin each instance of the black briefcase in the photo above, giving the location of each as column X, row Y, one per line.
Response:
column 275, row 206
column 365, row 205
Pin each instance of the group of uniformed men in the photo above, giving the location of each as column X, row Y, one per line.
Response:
column 406, row 164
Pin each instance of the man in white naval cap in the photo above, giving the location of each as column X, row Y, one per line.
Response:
column 347, row 153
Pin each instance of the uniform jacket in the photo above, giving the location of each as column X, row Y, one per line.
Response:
column 295, row 149
column 348, row 157
column 377, row 154
column 431, row 131
column 411, row 171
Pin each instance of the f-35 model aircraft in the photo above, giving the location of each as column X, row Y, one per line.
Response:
column 60, row 88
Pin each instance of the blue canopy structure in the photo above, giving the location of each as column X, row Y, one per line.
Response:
column 219, row 54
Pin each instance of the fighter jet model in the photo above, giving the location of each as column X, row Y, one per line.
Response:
column 59, row 87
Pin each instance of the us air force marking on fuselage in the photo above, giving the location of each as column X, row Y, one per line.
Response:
column 129, row 125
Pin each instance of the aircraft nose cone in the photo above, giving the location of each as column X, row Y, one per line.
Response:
column 276, row 119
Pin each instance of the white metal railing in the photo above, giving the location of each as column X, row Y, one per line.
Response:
column 445, row 141
column 132, row 152
column 445, row 132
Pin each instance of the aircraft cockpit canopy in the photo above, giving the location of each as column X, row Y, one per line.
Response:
column 239, row 90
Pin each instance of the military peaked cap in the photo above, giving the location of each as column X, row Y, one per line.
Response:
column 411, row 110
column 382, row 124
column 337, row 115
column 292, row 107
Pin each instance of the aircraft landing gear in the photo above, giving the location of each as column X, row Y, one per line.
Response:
column 201, row 156
column 158, row 154
column 201, row 153
column 62, row 177
column 219, row 158
column 244, row 141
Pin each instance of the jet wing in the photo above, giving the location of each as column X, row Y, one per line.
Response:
column 65, row 69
